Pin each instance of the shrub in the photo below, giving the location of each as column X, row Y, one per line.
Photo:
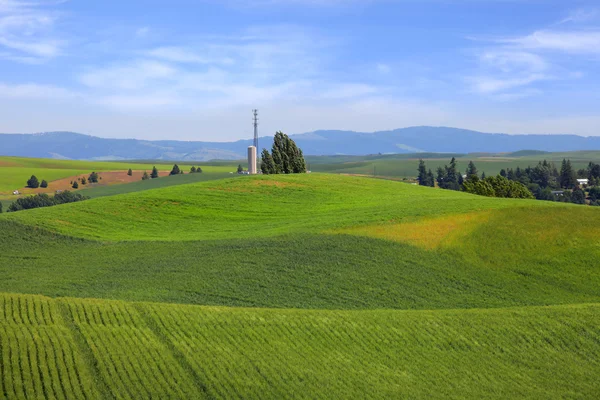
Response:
column 145, row 177
column 130, row 172
column 75, row 185
column 44, row 184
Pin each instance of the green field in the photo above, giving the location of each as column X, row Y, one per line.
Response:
column 351, row 287
column 405, row 166
column 72, row 348
column 15, row 171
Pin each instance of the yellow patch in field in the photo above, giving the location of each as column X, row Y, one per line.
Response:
column 430, row 233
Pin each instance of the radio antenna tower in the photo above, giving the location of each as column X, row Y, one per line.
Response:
column 255, row 112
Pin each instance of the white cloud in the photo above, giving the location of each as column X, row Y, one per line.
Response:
column 34, row 91
column 584, row 41
column 487, row 85
column 138, row 74
column 26, row 31
column 580, row 16
column 184, row 55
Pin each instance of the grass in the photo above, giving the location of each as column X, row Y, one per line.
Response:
column 337, row 243
column 15, row 171
column 145, row 350
column 244, row 208
column 352, row 287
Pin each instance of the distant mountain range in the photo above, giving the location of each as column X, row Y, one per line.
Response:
column 69, row 145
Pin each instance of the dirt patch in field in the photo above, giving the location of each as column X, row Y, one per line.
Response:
column 105, row 178
column 428, row 233
column 8, row 164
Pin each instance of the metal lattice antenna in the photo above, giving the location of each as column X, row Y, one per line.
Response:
column 255, row 112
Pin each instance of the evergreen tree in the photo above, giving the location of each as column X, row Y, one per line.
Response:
column 240, row 169
column 567, row 175
column 422, row 170
column 430, row 179
column 145, row 177
column 198, row 170
column 154, row 173
column 192, row 170
column 175, row 170
column 471, row 169
column 483, row 175
column 93, row 178
column 267, row 166
column 578, row 196
column 75, row 185
column 129, row 172
column 441, row 176
column 503, row 173
column 44, row 184
column 83, row 181
column 33, row 182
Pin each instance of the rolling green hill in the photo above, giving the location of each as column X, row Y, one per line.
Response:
column 15, row 171
column 352, row 287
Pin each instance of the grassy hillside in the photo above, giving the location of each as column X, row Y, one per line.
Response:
column 254, row 206
column 313, row 241
column 15, row 171
column 72, row 348
column 359, row 288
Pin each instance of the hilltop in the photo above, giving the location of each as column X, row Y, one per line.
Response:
column 68, row 145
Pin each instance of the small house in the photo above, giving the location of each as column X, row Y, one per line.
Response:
column 583, row 182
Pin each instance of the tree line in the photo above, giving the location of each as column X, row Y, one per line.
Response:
column 543, row 181
column 44, row 200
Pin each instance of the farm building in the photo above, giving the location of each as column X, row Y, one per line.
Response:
column 583, row 182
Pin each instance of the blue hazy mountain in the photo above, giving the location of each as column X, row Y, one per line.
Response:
column 69, row 145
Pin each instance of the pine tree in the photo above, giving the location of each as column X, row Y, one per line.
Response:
column 75, row 185
column 93, row 178
column 33, row 182
column 175, row 170
column 430, row 179
column 199, row 170
column 240, row 169
column 422, row 170
column 567, row 175
column 154, row 173
column 192, row 170
column 83, row 181
column 44, row 184
column 129, row 172
column 471, row 169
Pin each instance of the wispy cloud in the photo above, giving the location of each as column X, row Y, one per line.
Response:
column 580, row 16
column 35, row 91
column 26, row 31
column 574, row 41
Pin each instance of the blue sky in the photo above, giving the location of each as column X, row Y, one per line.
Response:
column 193, row 70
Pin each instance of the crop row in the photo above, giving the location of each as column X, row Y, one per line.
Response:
column 84, row 349
column 41, row 362
column 129, row 356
